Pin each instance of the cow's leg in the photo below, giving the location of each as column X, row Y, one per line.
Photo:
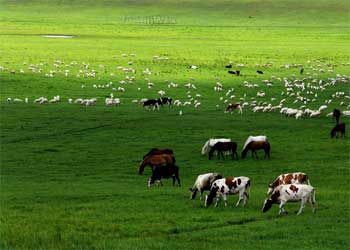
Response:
column 240, row 198
column 217, row 200
column 245, row 198
column 256, row 155
column 302, row 205
column 173, row 177
column 312, row 203
column 281, row 207
column 225, row 199
column 200, row 197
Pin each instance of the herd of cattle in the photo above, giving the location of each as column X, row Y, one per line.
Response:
column 290, row 187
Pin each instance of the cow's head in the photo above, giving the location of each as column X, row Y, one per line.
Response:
column 270, row 189
column 212, row 194
column 267, row 205
column 193, row 193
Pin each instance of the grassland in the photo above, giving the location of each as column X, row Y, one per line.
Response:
column 69, row 173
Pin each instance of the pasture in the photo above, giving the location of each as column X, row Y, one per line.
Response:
column 69, row 172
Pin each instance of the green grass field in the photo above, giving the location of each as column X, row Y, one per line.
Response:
column 69, row 172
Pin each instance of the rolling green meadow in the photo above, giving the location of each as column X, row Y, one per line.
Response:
column 69, row 173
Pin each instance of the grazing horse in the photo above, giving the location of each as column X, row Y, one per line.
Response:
column 224, row 146
column 256, row 145
column 233, row 106
column 164, row 172
column 159, row 151
column 211, row 142
column 152, row 103
column 336, row 115
column 156, row 161
column 339, row 128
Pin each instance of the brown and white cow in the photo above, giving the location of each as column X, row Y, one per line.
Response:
column 290, row 178
column 291, row 192
column 226, row 186
column 233, row 106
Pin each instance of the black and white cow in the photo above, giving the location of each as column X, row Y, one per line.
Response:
column 226, row 186
column 203, row 182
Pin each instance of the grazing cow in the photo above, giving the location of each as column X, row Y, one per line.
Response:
column 203, row 182
column 290, row 178
column 211, row 142
column 336, row 115
column 165, row 100
column 224, row 146
column 226, row 186
column 165, row 172
column 231, row 72
column 233, row 106
column 339, row 128
column 151, row 103
column 259, row 72
column 291, row 192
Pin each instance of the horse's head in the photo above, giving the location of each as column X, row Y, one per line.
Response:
column 244, row 153
column 142, row 166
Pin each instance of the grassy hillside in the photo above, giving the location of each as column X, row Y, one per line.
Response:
column 69, row 172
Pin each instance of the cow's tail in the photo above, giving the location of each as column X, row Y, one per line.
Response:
column 247, row 189
column 314, row 197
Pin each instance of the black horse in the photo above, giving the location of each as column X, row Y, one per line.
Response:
column 224, row 146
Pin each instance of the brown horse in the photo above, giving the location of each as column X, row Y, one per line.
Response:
column 256, row 145
column 156, row 161
column 224, row 146
column 159, row 151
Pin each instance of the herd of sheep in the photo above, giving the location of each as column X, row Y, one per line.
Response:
column 297, row 99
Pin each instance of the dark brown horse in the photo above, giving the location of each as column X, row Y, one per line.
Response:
column 164, row 172
column 159, row 151
column 339, row 128
column 224, row 146
column 256, row 145
column 156, row 161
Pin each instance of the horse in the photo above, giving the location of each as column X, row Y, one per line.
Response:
column 336, row 115
column 164, row 172
column 224, row 146
column 339, row 128
column 211, row 142
column 159, row 151
column 156, row 161
column 233, row 106
column 256, row 145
